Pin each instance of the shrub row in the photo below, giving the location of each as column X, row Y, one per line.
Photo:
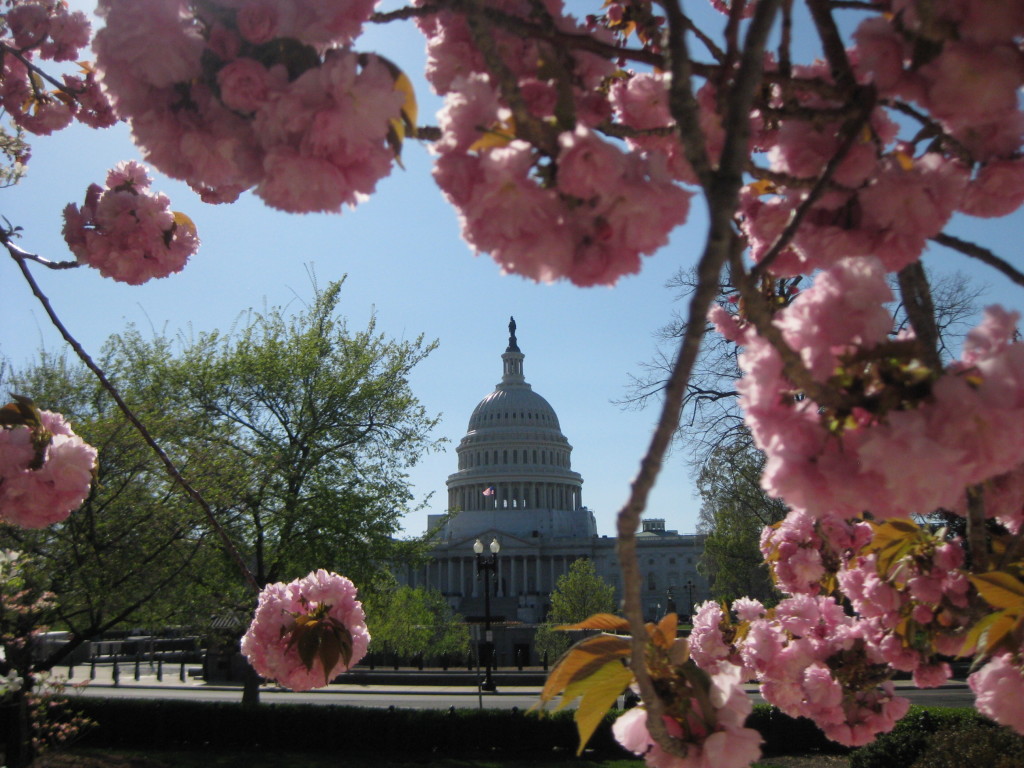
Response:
column 172, row 724
column 926, row 738
column 940, row 737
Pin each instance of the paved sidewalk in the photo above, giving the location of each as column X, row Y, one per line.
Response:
column 189, row 676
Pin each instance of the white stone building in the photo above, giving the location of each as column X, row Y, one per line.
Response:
column 515, row 483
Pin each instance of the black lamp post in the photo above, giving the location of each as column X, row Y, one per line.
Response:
column 690, row 587
column 487, row 566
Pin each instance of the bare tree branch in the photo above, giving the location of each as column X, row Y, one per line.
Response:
column 983, row 255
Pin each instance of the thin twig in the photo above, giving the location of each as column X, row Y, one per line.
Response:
column 849, row 133
column 832, row 42
column 682, row 102
column 169, row 466
column 983, row 255
column 11, row 247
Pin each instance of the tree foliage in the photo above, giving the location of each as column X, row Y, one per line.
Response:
column 414, row 621
column 578, row 594
column 734, row 511
column 137, row 550
column 318, row 424
column 295, row 430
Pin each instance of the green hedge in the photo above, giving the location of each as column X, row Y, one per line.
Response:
column 467, row 733
column 943, row 737
column 170, row 724
column 173, row 724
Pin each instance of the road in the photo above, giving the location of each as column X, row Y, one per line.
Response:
column 954, row 694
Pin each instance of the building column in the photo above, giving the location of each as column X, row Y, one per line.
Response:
column 526, row 575
column 512, row 576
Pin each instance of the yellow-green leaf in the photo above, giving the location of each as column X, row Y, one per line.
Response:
column 1000, row 589
column 498, row 134
column 581, row 661
column 599, row 692
column 184, row 222
column 890, row 531
column 664, row 634
column 606, row 621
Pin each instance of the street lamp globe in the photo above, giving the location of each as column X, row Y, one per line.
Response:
column 478, row 547
column 495, row 546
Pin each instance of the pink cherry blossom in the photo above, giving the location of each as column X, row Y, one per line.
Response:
column 999, row 691
column 37, row 496
column 212, row 101
column 127, row 232
column 268, row 644
column 726, row 744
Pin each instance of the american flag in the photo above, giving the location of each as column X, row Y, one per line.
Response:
column 489, row 490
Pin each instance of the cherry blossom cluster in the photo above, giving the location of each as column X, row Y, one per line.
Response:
column 297, row 623
column 906, row 441
column 47, row 30
column 714, row 634
column 999, row 690
column 955, row 68
column 521, row 158
column 802, row 552
column 240, row 94
column 126, row 231
column 46, row 470
column 812, row 660
column 919, row 605
column 716, row 741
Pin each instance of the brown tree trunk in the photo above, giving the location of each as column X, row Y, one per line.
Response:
column 18, row 738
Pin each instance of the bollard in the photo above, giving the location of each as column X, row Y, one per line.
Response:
column 420, row 662
column 181, row 674
column 159, row 670
column 92, row 669
column 136, row 668
column 519, row 659
column 71, row 671
column 116, row 672
column 545, row 661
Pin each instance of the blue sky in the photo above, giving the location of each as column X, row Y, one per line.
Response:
column 406, row 262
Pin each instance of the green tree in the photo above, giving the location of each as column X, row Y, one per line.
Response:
column 314, row 426
column 296, row 431
column 414, row 621
column 734, row 511
column 136, row 551
column 579, row 593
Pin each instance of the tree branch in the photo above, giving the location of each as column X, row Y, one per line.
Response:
column 983, row 255
column 851, row 129
column 920, row 310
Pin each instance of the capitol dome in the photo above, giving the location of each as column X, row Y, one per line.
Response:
column 515, row 461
